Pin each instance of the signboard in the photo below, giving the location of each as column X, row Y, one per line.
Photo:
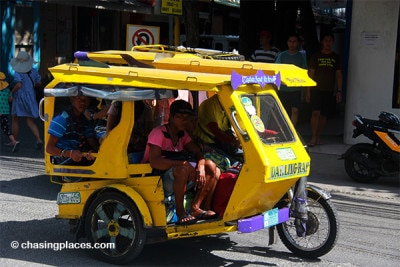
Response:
column 371, row 39
column 141, row 35
column 173, row 7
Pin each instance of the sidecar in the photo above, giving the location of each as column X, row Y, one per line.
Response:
column 122, row 203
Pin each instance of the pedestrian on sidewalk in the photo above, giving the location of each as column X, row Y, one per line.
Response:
column 325, row 69
column 24, row 104
column 266, row 52
column 5, row 99
column 291, row 96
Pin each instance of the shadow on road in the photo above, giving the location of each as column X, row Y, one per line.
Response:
column 199, row 251
column 38, row 187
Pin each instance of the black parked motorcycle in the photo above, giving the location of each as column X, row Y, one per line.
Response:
column 366, row 162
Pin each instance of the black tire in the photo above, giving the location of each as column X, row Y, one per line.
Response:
column 322, row 229
column 361, row 172
column 114, row 218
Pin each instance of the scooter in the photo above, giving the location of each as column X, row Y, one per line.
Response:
column 366, row 162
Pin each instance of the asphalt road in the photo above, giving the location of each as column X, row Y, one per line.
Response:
column 369, row 217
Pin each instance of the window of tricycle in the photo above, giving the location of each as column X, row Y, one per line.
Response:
column 267, row 118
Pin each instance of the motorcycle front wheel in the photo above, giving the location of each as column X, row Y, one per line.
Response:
column 358, row 163
column 322, row 229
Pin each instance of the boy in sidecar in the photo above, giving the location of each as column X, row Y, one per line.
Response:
column 165, row 151
column 70, row 133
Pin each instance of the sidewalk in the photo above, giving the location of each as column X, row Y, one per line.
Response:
column 332, row 136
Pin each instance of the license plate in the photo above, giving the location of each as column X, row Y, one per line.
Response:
column 271, row 218
column 69, row 198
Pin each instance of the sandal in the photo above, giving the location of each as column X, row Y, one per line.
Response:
column 39, row 145
column 187, row 219
column 204, row 215
column 15, row 147
column 310, row 144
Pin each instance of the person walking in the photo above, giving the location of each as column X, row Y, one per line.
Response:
column 5, row 98
column 325, row 69
column 24, row 104
column 266, row 52
column 291, row 97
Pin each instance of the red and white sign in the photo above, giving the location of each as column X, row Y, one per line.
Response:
column 141, row 35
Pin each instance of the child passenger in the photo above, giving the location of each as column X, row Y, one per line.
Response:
column 70, row 134
column 165, row 151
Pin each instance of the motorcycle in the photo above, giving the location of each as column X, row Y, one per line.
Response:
column 366, row 162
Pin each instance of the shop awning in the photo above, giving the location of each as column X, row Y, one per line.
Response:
column 135, row 6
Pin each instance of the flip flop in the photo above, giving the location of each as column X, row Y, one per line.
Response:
column 310, row 144
column 187, row 219
column 204, row 215
column 15, row 147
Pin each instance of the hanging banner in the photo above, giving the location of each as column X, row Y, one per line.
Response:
column 173, row 7
column 141, row 35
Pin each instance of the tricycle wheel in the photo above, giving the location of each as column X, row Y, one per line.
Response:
column 322, row 229
column 114, row 218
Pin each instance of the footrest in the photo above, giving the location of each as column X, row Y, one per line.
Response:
column 265, row 220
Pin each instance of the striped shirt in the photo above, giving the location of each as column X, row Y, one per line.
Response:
column 71, row 133
column 267, row 56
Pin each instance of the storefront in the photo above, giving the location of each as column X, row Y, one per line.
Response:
column 51, row 32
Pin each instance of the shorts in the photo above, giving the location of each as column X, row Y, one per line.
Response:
column 323, row 101
column 168, row 182
column 135, row 157
column 290, row 100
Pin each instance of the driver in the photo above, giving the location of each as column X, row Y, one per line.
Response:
column 214, row 128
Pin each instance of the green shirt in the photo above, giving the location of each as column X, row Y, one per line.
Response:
column 4, row 105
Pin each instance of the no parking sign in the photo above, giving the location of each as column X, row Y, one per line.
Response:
column 141, row 35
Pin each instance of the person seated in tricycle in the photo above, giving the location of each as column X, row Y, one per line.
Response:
column 165, row 151
column 215, row 131
column 142, row 127
column 71, row 133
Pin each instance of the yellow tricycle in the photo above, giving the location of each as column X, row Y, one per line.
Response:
column 120, row 201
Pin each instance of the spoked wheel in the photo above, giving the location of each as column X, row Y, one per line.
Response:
column 322, row 229
column 357, row 163
column 114, row 218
